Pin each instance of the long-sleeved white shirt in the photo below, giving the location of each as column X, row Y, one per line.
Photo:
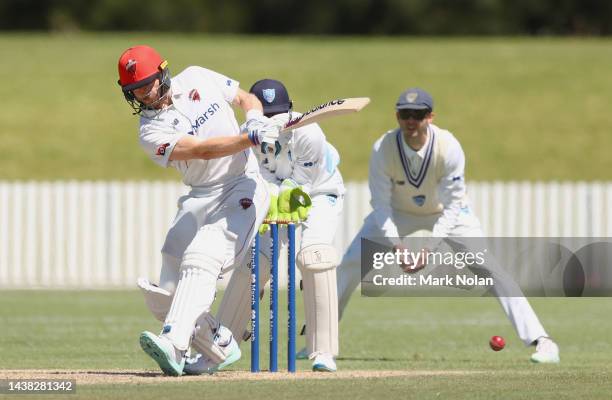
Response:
column 201, row 106
column 305, row 156
column 424, row 182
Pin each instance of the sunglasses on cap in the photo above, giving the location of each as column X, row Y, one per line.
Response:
column 414, row 114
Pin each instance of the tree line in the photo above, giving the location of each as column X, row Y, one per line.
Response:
column 354, row 17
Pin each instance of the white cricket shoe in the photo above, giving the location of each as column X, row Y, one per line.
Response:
column 324, row 363
column 199, row 365
column 169, row 358
column 547, row 351
column 302, row 354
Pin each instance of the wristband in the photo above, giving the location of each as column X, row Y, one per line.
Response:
column 253, row 138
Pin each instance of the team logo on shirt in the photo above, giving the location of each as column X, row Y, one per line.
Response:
column 161, row 150
column 269, row 95
column 246, row 203
column 419, row 200
column 194, row 95
column 201, row 120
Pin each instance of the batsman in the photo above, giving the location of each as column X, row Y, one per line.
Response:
column 187, row 122
column 307, row 188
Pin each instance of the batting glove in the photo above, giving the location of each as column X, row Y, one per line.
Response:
column 259, row 132
column 282, row 118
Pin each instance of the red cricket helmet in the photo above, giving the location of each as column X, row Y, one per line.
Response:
column 139, row 66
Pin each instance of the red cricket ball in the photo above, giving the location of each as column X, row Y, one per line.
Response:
column 497, row 343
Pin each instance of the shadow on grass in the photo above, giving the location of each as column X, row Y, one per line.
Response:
column 142, row 374
column 415, row 358
column 375, row 359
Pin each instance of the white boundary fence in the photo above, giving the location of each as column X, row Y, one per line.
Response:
column 106, row 234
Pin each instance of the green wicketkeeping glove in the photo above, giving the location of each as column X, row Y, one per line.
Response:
column 272, row 210
column 293, row 202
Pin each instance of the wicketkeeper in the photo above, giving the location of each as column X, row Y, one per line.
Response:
column 307, row 188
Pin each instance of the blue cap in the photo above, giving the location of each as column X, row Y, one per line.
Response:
column 273, row 96
column 414, row 99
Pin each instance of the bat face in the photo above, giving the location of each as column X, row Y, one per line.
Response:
column 326, row 110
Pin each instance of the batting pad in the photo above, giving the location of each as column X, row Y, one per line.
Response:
column 211, row 339
column 318, row 266
column 235, row 309
column 158, row 301
column 211, row 249
column 194, row 295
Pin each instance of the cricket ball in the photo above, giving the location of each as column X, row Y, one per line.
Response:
column 497, row 343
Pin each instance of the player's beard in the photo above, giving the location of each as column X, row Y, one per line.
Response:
column 410, row 132
column 163, row 96
column 417, row 128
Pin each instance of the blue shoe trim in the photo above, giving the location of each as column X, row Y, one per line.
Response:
column 322, row 368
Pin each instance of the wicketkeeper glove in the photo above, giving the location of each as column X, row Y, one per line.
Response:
column 293, row 202
column 272, row 215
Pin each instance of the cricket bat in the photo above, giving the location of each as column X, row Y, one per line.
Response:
column 326, row 110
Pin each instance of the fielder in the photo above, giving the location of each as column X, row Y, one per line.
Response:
column 300, row 163
column 187, row 123
column 416, row 180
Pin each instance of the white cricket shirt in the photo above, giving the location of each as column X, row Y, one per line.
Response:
column 201, row 106
column 424, row 182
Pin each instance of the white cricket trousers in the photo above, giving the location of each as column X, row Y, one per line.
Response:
column 517, row 309
column 211, row 231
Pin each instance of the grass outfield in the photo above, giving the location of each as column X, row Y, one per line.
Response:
column 437, row 348
column 523, row 108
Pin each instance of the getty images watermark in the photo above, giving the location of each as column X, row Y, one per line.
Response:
column 411, row 262
column 510, row 267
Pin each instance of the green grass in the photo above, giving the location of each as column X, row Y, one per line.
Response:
column 523, row 108
column 99, row 330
